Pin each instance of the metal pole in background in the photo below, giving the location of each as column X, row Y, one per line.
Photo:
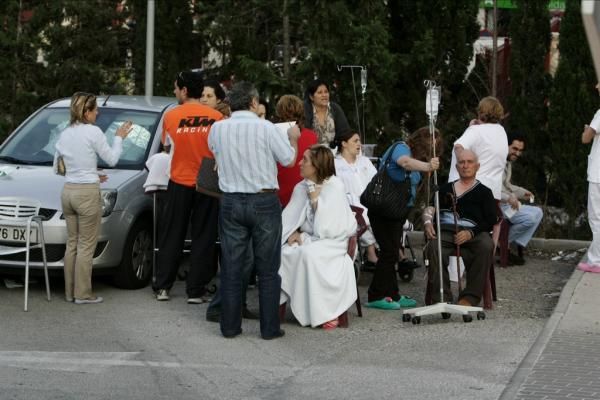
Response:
column 495, row 49
column 363, row 83
column 150, row 49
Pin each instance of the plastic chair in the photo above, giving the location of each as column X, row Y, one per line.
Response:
column 502, row 243
column 18, row 214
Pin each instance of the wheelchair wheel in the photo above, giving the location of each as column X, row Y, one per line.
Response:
column 406, row 275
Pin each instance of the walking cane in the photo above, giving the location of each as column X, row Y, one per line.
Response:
column 457, row 251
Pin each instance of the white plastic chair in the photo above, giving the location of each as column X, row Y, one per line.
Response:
column 21, row 213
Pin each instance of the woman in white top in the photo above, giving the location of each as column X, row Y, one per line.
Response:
column 356, row 171
column 487, row 139
column 317, row 274
column 79, row 145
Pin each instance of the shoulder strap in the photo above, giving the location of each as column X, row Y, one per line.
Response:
column 387, row 160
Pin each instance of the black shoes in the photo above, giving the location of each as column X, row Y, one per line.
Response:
column 246, row 314
column 276, row 336
column 231, row 335
column 514, row 259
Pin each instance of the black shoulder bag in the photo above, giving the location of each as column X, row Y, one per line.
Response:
column 385, row 197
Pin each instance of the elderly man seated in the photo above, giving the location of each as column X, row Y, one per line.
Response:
column 524, row 219
column 467, row 215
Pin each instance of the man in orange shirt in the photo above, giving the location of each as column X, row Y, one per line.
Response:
column 187, row 126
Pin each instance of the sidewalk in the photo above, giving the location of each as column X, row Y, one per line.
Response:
column 563, row 362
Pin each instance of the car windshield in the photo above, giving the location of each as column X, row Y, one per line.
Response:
column 34, row 142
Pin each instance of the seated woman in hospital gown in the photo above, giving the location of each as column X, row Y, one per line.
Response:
column 317, row 275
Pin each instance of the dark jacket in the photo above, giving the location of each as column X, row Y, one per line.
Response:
column 339, row 118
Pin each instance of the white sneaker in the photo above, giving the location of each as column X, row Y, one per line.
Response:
column 94, row 300
column 199, row 300
column 162, row 295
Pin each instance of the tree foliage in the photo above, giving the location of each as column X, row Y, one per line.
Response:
column 52, row 48
column 527, row 105
column 573, row 101
column 177, row 44
column 434, row 40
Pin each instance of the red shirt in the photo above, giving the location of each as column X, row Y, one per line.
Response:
column 289, row 177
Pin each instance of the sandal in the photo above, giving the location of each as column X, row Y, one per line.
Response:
column 406, row 302
column 330, row 325
column 384, row 304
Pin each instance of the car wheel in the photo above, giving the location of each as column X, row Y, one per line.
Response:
column 135, row 269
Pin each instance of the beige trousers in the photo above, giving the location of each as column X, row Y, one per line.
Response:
column 82, row 209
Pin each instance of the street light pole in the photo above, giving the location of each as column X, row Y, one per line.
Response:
column 150, row 49
column 495, row 49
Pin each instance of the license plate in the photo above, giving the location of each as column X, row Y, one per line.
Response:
column 17, row 234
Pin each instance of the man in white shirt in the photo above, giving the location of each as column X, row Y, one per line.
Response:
column 524, row 219
column 247, row 149
column 591, row 133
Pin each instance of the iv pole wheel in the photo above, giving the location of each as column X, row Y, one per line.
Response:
column 406, row 318
column 416, row 320
column 480, row 315
column 467, row 318
column 446, row 315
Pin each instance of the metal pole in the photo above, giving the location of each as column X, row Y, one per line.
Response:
column 495, row 49
column 432, row 113
column 149, row 86
column 363, row 69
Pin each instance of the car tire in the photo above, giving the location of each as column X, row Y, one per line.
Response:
column 135, row 269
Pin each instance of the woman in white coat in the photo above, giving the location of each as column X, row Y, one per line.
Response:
column 356, row 171
column 317, row 275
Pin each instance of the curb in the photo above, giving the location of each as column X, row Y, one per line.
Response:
column 532, row 356
column 418, row 238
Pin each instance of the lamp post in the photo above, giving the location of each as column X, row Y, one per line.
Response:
column 149, row 49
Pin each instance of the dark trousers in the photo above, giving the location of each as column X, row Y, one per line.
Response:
column 388, row 234
column 477, row 257
column 214, row 308
column 244, row 220
column 184, row 206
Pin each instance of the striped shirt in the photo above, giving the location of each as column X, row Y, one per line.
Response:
column 247, row 149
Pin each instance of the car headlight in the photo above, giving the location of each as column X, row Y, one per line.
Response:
column 109, row 199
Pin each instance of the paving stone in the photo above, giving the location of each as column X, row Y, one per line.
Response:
column 567, row 369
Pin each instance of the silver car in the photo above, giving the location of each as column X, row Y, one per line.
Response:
column 125, row 241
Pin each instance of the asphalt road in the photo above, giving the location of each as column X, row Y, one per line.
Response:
column 132, row 347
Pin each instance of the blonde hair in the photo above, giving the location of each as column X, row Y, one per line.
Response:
column 81, row 103
column 490, row 110
column 224, row 109
column 321, row 158
column 290, row 108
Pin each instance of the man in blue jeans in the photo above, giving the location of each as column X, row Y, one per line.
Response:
column 524, row 218
column 247, row 150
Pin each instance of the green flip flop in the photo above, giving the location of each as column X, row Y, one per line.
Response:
column 384, row 304
column 406, row 302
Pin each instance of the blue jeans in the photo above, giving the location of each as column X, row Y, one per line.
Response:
column 214, row 308
column 244, row 220
column 523, row 224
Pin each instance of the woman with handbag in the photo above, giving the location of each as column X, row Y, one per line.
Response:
column 401, row 162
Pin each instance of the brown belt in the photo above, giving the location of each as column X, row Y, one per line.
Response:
column 268, row 191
